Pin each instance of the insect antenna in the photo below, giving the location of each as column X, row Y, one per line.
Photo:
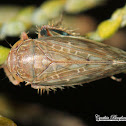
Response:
column 4, row 78
column 8, row 43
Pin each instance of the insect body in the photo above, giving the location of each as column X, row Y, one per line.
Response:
column 56, row 61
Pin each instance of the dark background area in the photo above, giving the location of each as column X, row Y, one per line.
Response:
column 103, row 97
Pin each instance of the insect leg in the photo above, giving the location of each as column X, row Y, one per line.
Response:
column 116, row 79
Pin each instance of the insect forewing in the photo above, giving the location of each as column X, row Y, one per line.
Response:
column 76, row 60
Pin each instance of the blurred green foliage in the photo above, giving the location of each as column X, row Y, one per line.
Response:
column 3, row 54
column 108, row 27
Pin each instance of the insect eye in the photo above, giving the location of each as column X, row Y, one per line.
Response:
column 44, row 32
